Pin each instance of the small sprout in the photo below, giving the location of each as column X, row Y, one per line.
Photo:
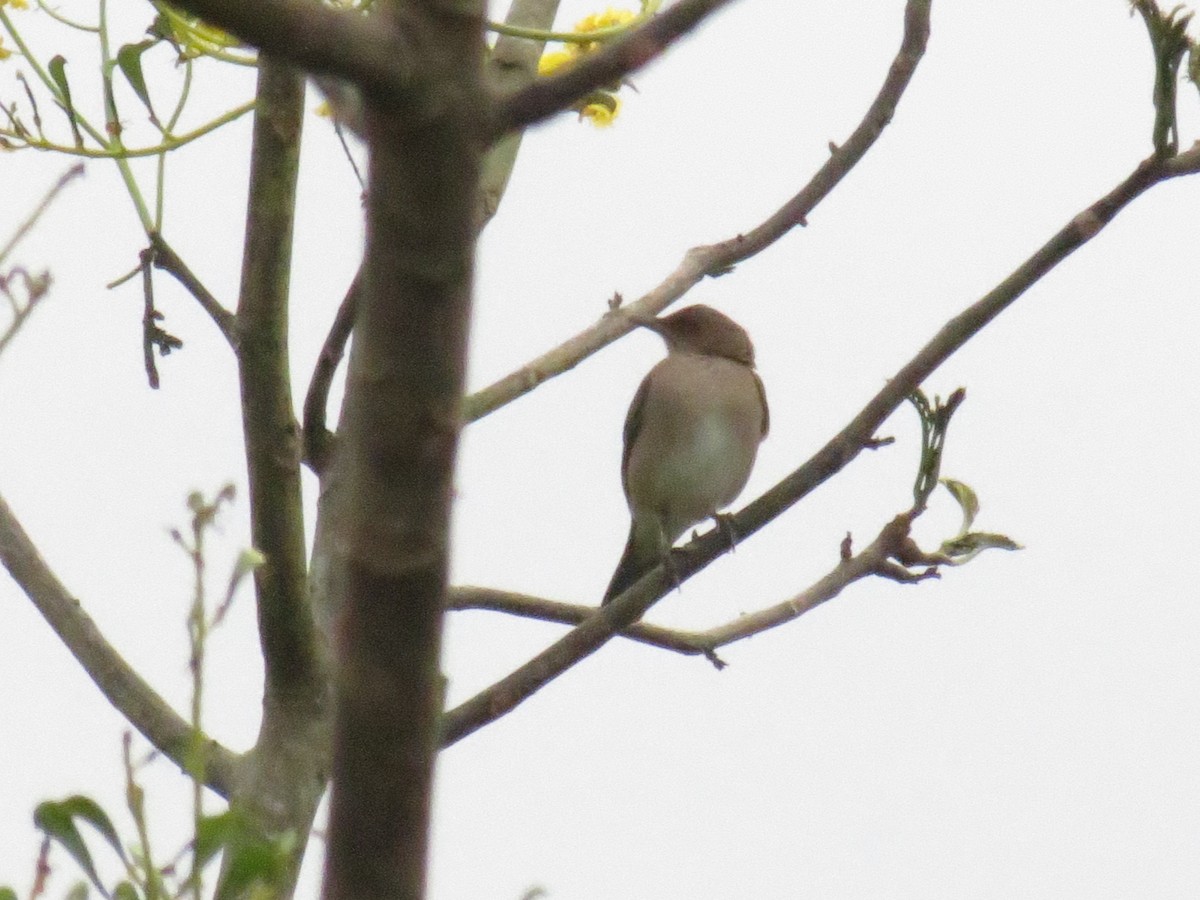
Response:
column 248, row 561
column 967, row 544
column 935, row 420
column 966, row 547
column 967, row 500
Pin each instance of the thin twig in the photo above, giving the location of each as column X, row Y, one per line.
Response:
column 36, row 288
column 25, row 227
column 164, row 257
column 874, row 560
column 716, row 259
column 154, row 337
column 512, row 64
column 495, row 701
column 466, row 597
column 547, row 96
column 360, row 49
column 318, row 439
column 127, row 691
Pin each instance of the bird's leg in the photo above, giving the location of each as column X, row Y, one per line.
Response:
column 724, row 522
column 666, row 556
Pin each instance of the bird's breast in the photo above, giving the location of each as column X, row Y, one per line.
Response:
column 699, row 434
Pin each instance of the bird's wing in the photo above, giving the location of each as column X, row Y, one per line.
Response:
column 633, row 425
column 762, row 395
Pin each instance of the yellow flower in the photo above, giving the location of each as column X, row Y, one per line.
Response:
column 610, row 18
column 15, row 4
column 194, row 37
column 599, row 114
column 554, row 60
column 5, row 53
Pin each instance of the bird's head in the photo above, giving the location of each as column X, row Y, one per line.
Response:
column 701, row 329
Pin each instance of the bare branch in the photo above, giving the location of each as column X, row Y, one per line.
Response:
column 36, row 286
column 716, row 259
column 590, row 635
column 530, row 607
column 154, row 336
column 284, row 774
column 1185, row 163
column 512, row 64
column 876, row 559
column 318, row 439
column 286, row 628
column 25, row 227
column 401, row 422
column 495, row 701
column 164, row 257
column 316, row 38
column 148, row 712
column 547, row 96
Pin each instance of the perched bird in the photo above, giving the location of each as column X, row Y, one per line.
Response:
column 691, row 435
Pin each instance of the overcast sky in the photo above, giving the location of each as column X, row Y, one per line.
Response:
column 1028, row 726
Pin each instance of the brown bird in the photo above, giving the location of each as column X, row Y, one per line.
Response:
column 691, row 435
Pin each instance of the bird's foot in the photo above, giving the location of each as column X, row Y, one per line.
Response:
column 669, row 566
column 725, row 525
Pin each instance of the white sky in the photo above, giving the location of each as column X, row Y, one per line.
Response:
column 1027, row 727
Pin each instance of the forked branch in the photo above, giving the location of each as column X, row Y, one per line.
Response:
column 497, row 700
column 717, row 259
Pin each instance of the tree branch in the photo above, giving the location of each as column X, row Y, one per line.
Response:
column 512, row 64
column 76, row 171
column 316, row 38
column 36, row 286
column 547, row 96
column 284, row 775
column 395, row 461
column 272, row 448
column 495, row 701
column 716, row 259
column 139, row 703
column 876, row 559
column 318, row 439
column 164, row 257
column 465, row 597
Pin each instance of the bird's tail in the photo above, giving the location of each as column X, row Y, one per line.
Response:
column 642, row 553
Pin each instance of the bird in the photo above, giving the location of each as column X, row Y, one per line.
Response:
column 691, row 435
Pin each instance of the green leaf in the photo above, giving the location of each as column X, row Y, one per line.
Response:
column 1169, row 40
column 251, row 859
column 58, row 73
column 213, row 834
column 247, row 865
column 78, row 891
column 966, row 547
column 967, row 500
column 57, row 820
column 90, row 811
column 7, row 893
column 129, row 58
column 126, row 891
column 57, row 823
